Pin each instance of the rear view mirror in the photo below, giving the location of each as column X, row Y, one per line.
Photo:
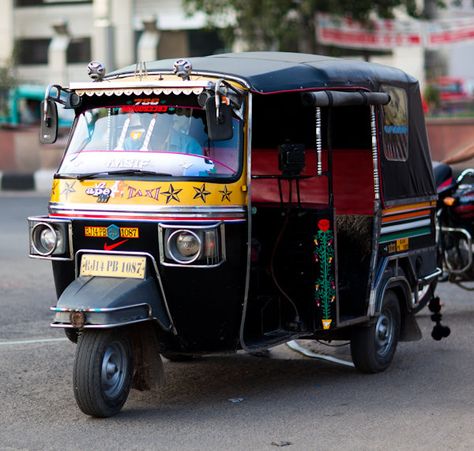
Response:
column 49, row 122
column 219, row 120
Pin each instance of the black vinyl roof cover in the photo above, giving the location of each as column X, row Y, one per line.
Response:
column 267, row 72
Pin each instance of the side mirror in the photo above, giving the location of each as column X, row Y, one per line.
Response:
column 219, row 123
column 49, row 122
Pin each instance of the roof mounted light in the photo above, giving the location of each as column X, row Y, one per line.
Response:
column 96, row 70
column 182, row 68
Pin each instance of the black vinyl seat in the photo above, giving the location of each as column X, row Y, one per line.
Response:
column 442, row 172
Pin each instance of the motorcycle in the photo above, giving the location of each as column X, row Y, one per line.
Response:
column 455, row 216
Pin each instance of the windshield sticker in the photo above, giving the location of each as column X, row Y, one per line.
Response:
column 225, row 194
column 172, row 194
column 137, row 192
column 146, row 105
column 201, row 192
column 68, row 189
column 128, row 163
column 100, row 191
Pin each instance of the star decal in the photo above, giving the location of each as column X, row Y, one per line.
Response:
column 53, row 188
column 68, row 189
column 225, row 194
column 201, row 192
column 172, row 194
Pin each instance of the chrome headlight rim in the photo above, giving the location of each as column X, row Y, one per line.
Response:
column 35, row 238
column 173, row 252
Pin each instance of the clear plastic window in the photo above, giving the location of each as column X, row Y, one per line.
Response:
column 168, row 141
column 395, row 124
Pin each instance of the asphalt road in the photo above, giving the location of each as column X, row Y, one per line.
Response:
column 234, row 402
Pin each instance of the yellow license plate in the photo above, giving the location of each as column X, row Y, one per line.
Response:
column 113, row 266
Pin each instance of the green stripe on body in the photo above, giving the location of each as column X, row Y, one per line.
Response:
column 405, row 234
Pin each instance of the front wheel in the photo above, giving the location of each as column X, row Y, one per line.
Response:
column 373, row 347
column 103, row 370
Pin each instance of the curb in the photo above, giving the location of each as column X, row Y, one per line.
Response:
column 38, row 181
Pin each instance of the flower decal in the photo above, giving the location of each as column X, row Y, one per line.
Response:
column 324, row 224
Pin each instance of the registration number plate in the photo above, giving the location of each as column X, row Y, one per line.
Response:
column 113, row 266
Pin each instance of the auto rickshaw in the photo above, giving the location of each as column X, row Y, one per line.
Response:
column 235, row 202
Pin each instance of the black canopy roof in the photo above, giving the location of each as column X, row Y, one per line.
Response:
column 267, row 72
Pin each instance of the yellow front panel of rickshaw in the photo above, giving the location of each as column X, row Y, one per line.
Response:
column 148, row 193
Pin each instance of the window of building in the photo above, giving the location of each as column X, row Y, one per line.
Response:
column 20, row 3
column 79, row 50
column 204, row 42
column 32, row 51
column 395, row 124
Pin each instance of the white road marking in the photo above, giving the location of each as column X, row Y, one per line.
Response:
column 296, row 347
column 29, row 342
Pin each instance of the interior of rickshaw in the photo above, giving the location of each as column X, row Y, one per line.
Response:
column 285, row 213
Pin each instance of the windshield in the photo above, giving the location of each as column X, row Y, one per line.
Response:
column 150, row 137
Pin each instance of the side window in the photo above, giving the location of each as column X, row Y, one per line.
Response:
column 395, row 124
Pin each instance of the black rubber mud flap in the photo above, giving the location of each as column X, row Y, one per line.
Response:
column 410, row 330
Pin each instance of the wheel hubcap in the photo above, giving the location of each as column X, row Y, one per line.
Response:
column 114, row 370
column 384, row 332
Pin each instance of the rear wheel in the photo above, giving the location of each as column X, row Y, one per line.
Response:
column 103, row 370
column 373, row 347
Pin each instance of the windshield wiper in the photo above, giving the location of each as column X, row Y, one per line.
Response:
column 122, row 172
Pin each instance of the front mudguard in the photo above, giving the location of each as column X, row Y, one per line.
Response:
column 104, row 302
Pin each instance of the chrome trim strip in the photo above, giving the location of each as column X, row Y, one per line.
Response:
column 430, row 277
column 44, row 218
column 249, row 219
column 375, row 158
column 179, row 84
column 145, row 254
column 319, row 145
column 55, row 207
column 101, row 310
column 193, row 73
column 219, row 225
column 102, row 326
column 373, row 280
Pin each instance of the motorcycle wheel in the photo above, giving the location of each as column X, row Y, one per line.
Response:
column 457, row 257
column 373, row 347
column 102, row 374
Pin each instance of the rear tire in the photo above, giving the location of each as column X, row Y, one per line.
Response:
column 373, row 347
column 103, row 370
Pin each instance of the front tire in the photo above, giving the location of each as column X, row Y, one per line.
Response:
column 373, row 347
column 103, row 370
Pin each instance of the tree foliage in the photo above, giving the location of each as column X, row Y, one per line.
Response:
column 287, row 25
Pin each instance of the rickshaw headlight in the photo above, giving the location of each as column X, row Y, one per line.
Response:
column 184, row 246
column 188, row 244
column 47, row 238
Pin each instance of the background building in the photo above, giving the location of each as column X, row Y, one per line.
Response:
column 53, row 40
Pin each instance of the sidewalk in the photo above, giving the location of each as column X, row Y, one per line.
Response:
column 37, row 181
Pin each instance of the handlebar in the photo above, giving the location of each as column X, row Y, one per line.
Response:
column 465, row 173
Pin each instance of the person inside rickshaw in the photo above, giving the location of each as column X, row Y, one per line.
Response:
column 162, row 132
